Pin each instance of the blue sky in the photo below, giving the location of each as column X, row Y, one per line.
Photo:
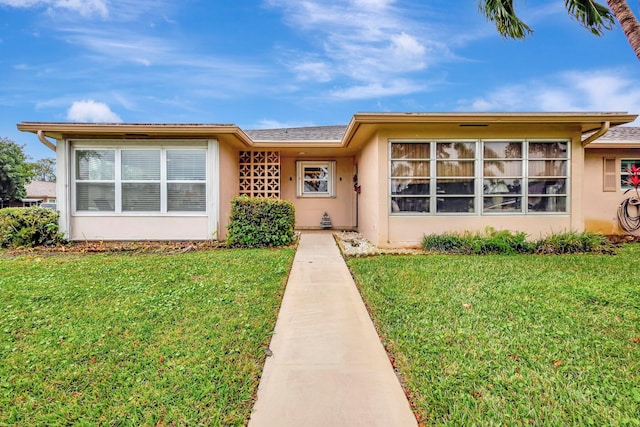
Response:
column 286, row 63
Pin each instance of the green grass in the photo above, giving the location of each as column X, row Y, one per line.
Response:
column 512, row 340
column 136, row 339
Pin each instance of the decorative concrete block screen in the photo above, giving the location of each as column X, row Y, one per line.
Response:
column 260, row 173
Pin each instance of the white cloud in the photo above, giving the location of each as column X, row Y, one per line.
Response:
column 594, row 90
column 143, row 61
column 314, row 70
column 92, row 111
column 364, row 44
column 407, row 51
column 115, row 10
column 374, row 90
column 83, row 7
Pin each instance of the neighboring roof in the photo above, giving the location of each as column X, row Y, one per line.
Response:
column 622, row 133
column 40, row 189
column 618, row 137
column 310, row 133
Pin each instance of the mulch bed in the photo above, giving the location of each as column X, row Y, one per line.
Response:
column 171, row 247
column 618, row 239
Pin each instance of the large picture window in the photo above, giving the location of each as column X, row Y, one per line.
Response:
column 140, row 180
column 478, row 177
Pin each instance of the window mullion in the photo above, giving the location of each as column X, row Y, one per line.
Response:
column 163, row 181
column 525, row 178
column 479, row 178
column 433, row 175
column 118, row 181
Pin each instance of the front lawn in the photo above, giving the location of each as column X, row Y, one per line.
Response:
column 511, row 340
column 141, row 339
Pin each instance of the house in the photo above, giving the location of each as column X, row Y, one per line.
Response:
column 392, row 176
column 605, row 163
column 39, row 192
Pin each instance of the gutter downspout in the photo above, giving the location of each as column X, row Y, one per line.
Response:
column 604, row 127
column 45, row 141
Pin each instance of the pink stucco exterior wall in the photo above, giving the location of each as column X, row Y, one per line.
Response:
column 123, row 227
column 372, row 192
column 229, row 185
column 309, row 210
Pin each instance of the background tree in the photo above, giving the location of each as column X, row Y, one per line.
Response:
column 44, row 170
column 592, row 15
column 15, row 172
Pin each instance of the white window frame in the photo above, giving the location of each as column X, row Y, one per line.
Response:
column 479, row 178
column 330, row 165
column 118, row 181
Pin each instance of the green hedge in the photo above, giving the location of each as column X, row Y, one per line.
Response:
column 34, row 226
column 261, row 221
column 509, row 242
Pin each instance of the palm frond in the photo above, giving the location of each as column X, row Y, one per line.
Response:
column 591, row 15
column 502, row 14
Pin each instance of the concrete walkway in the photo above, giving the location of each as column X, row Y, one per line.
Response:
column 328, row 366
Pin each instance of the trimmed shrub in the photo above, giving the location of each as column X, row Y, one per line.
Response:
column 261, row 221
column 28, row 227
column 572, row 242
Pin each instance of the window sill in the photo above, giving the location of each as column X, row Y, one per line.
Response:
column 139, row 214
column 316, row 196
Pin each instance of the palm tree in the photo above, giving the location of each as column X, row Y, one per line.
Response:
column 592, row 15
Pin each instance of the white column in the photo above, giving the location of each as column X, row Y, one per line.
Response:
column 63, row 185
column 213, row 186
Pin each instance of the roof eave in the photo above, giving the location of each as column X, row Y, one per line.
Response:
column 61, row 131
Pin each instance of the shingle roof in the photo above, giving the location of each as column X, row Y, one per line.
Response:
column 41, row 189
column 311, row 133
column 622, row 134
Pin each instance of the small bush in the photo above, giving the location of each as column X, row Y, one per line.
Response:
column 29, row 227
column 261, row 221
column 449, row 243
column 573, row 242
column 489, row 242
column 502, row 242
